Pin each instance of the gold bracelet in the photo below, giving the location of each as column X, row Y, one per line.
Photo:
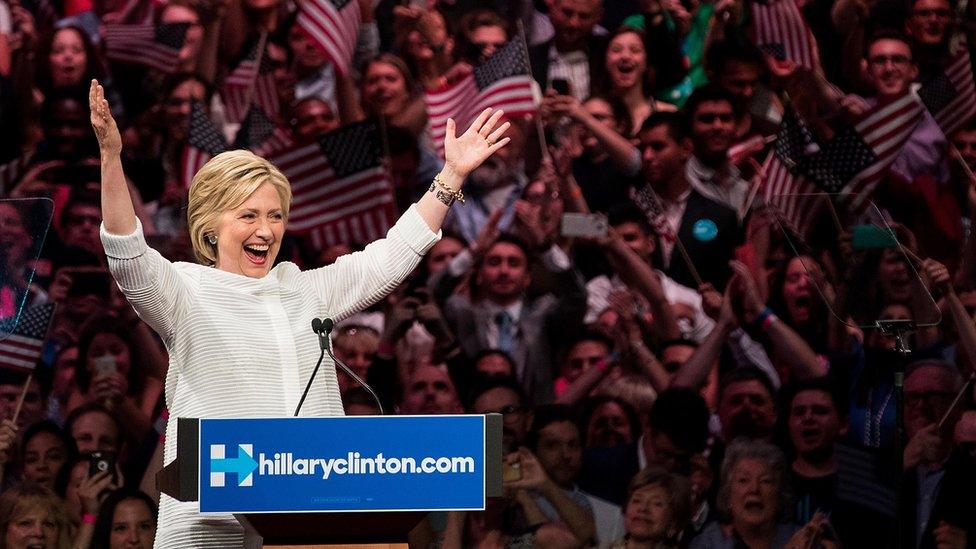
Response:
column 457, row 194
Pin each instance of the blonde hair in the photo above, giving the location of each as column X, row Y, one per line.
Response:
column 22, row 499
column 633, row 389
column 222, row 184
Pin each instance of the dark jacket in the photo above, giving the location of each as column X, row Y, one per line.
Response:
column 710, row 254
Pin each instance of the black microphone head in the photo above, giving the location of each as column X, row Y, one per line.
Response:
column 316, row 325
column 328, row 324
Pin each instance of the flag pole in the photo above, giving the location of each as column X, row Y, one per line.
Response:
column 540, row 129
column 677, row 240
column 962, row 162
column 30, row 376
column 249, row 93
column 23, row 396
column 757, row 183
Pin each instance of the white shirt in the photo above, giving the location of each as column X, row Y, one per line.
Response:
column 599, row 288
column 242, row 347
column 572, row 66
column 674, row 210
column 733, row 191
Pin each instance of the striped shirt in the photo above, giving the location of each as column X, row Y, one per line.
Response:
column 242, row 347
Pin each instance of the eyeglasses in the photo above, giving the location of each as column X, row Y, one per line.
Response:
column 932, row 398
column 940, row 14
column 882, row 60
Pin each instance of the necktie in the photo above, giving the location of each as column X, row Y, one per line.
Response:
column 506, row 332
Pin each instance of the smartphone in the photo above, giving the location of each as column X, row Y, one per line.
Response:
column 85, row 283
column 561, row 85
column 105, row 365
column 99, row 462
column 584, row 225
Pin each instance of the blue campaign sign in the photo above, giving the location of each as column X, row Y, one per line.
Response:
column 355, row 463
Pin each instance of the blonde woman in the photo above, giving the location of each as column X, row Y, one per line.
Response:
column 33, row 516
column 237, row 330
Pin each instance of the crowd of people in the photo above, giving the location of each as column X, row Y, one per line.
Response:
column 696, row 370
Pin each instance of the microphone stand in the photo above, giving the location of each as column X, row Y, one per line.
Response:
column 323, row 328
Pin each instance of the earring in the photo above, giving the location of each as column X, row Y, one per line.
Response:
column 212, row 239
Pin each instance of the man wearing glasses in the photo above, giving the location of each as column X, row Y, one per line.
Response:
column 937, row 489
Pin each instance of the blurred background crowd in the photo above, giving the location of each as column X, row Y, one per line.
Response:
column 688, row 358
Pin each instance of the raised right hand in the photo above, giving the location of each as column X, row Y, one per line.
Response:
column 8, row 439
column 102, row 121
column 91, row 490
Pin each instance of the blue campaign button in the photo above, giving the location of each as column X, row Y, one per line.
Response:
column 705, row 230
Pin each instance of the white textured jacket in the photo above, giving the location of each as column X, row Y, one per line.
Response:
column 243, row 347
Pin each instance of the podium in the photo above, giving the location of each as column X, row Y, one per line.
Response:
column 347, row 481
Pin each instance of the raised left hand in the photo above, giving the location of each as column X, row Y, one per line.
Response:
column 464, row 153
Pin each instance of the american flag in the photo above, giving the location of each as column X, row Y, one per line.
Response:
column 341, row 192
column 850, row 164
column 155, row 46
column 786, row 190
column 648, row 201
column 781, row 32
column 203, row 143
column 22, row 348
column 251, row 82
column 951, row 96
column 260, row 134
column 856, row 158
column 333, row 26
column 503, row 81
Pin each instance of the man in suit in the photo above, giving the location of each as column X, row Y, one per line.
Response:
column 708, row 230
column 574, row 53
column 499, row 315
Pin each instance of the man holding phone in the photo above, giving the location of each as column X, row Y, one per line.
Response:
column 574, row 56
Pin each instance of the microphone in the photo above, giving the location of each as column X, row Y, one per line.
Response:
column 323, row 327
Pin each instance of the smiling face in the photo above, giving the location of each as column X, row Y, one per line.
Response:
column 647, row 515
column 753, row 494
column 67, row 59
column 889, row 66
column 249, row 236
column 504, row 274
column 133, row 525
column 384, row 89
column 713, row 128
column 626, row 61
